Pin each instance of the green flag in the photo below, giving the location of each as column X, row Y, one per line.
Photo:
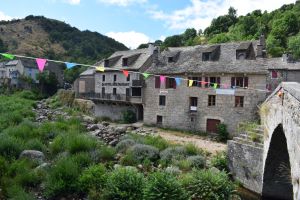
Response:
column 146, row 75
column 215, row 85
column 9, row 56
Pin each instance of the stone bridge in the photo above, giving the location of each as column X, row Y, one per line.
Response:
column 272, row 170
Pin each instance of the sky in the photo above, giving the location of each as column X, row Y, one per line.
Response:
column 133, row 22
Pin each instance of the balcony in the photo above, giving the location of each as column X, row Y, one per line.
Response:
column 137, row 83
column 111, row 97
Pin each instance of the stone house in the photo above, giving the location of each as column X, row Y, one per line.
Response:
column 239, row 68
column 113, row 92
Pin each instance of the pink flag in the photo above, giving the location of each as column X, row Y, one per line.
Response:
column 162, row 79
column 41, row 63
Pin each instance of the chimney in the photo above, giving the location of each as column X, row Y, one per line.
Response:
column 261, row 47
column 262, row 41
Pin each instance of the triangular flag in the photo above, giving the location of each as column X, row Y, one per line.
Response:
column 41, row 63
column 191, row 83
column 215, row 85
column 162, row 79
column 225, row 86
column 100, row 69
column 9, row 56
column 125, row 72
column 178, row 81
column 146, row 75
column 70, row 65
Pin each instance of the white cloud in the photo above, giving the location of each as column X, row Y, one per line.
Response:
column 5, row 17
column 130, row 39
column 200, row 13
column 73, row 2
column 122, row 2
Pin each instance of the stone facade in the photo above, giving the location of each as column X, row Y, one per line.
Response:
column 176, row 112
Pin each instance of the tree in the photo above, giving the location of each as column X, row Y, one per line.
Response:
column 173, row 41
column 48, row 83
column 143, row 46
column 294, row 46
column 3, row 47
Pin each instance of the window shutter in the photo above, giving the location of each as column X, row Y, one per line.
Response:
column 219, row 82
column 174, row 83
column 157, row 82
column 206, row 82
column 232, row 81
column 246, row 82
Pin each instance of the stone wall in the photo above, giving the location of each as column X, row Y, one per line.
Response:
column 176, row 113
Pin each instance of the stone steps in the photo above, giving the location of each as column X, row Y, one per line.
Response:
column 247, row 137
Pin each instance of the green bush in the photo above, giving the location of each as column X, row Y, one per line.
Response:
column 141, row 152
column 57, row 146
column 128, row 160
column 82, row 159
column 162, row 185
column 125, row 184
column 125, row 144
column 79, row 143
column 93, row 178
column 184, row 165
column 62, row 178
column 207, row 185
column 197, row 162
column 156, row 141
column 173, row 153
column 27, row 94
column 10, row 147
column 222, row 132
column 16, row 192
column 129, row 116
column 220, row 161
column 191, row 149
column 106, row 153
column 3, row 166
column 35, row 144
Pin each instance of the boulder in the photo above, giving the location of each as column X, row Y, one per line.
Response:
column 92, row 127
column 87, row 119
column 33, row 155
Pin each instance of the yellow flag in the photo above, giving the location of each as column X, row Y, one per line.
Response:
column 191, row 83
column 100, row 69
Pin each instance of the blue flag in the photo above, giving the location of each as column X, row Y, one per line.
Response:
column 70, row 65
column 178, row 81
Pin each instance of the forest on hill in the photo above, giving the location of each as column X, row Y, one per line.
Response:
column 281, row 28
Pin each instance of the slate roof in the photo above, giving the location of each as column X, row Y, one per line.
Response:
column 12, row 63
column 278, row 63
column 88, row 72
column 142, row 56
column 244, row 46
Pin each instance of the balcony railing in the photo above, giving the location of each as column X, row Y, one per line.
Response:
column 137, row 83
column 110, row 97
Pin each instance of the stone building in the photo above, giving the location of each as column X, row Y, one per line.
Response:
column 113, row 92
column 238, row 67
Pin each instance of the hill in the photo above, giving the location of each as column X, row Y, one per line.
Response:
column 38, row 36
column 281, row 28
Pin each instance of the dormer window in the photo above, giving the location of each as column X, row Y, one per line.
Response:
column 245, row 51
column 211, row 53
column 106, row 63
column 241, row 55
column 125, row 62
column 170, row 59
column 206, row 56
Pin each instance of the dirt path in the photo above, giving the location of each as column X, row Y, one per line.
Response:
column 200, row 142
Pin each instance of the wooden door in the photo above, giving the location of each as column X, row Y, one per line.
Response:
column 211, row 125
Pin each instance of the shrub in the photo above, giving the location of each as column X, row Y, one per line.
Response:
column 35, row 144
column 16, row 192
column 173, row 153
column 222, row 132
column 129, row 160
column 57, row 145
column 10, row 147
column 62, row 178
column 125, row 184
column 207, row 185
column 104, row 153
column 191, row 149
column 93, row 178
column 79, row 143
column 82, row 159
column 184, row 165
column 156, row 141
column 162, row 185
column 27, row 94
column 141, row 152
column 173, row 170
column 129, row 116
column 220, row 161
column 3, row 166
column 197, row 161
column 125, row 144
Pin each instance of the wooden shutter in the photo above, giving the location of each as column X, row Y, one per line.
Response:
column 174, row 83
column 199, row 83
column 219, row 82
column 206, row 82
column 232, row 81
column 246, row 82
column 157, row 82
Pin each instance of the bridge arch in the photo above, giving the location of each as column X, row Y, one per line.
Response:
column 277, row 183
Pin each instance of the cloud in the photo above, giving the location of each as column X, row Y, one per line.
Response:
column 73, row 2
column 5, row 17
column 198, row 14
column 123, row 2
column 131, row 39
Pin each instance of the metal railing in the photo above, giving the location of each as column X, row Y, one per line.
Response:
column 109, row 97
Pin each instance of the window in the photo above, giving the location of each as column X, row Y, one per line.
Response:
column 157, row 82
column 159, row 119
column 170, row 59
column 114, row 91
column 162, row 100
column 170, row 83
column 103, row 90
column 211, row 81
column 128, row 77
column 206, row 56
column 239, row 101
column 274, row 74
column 125, row 62
column 193, row 104
column 115, row 77
column 136, row 92
column 192, row 119
column 211, row 100
column 196, row 81
column 239, row 82
column 103, row 78
column 106, row 63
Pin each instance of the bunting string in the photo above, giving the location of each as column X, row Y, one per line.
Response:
column 41, row 64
